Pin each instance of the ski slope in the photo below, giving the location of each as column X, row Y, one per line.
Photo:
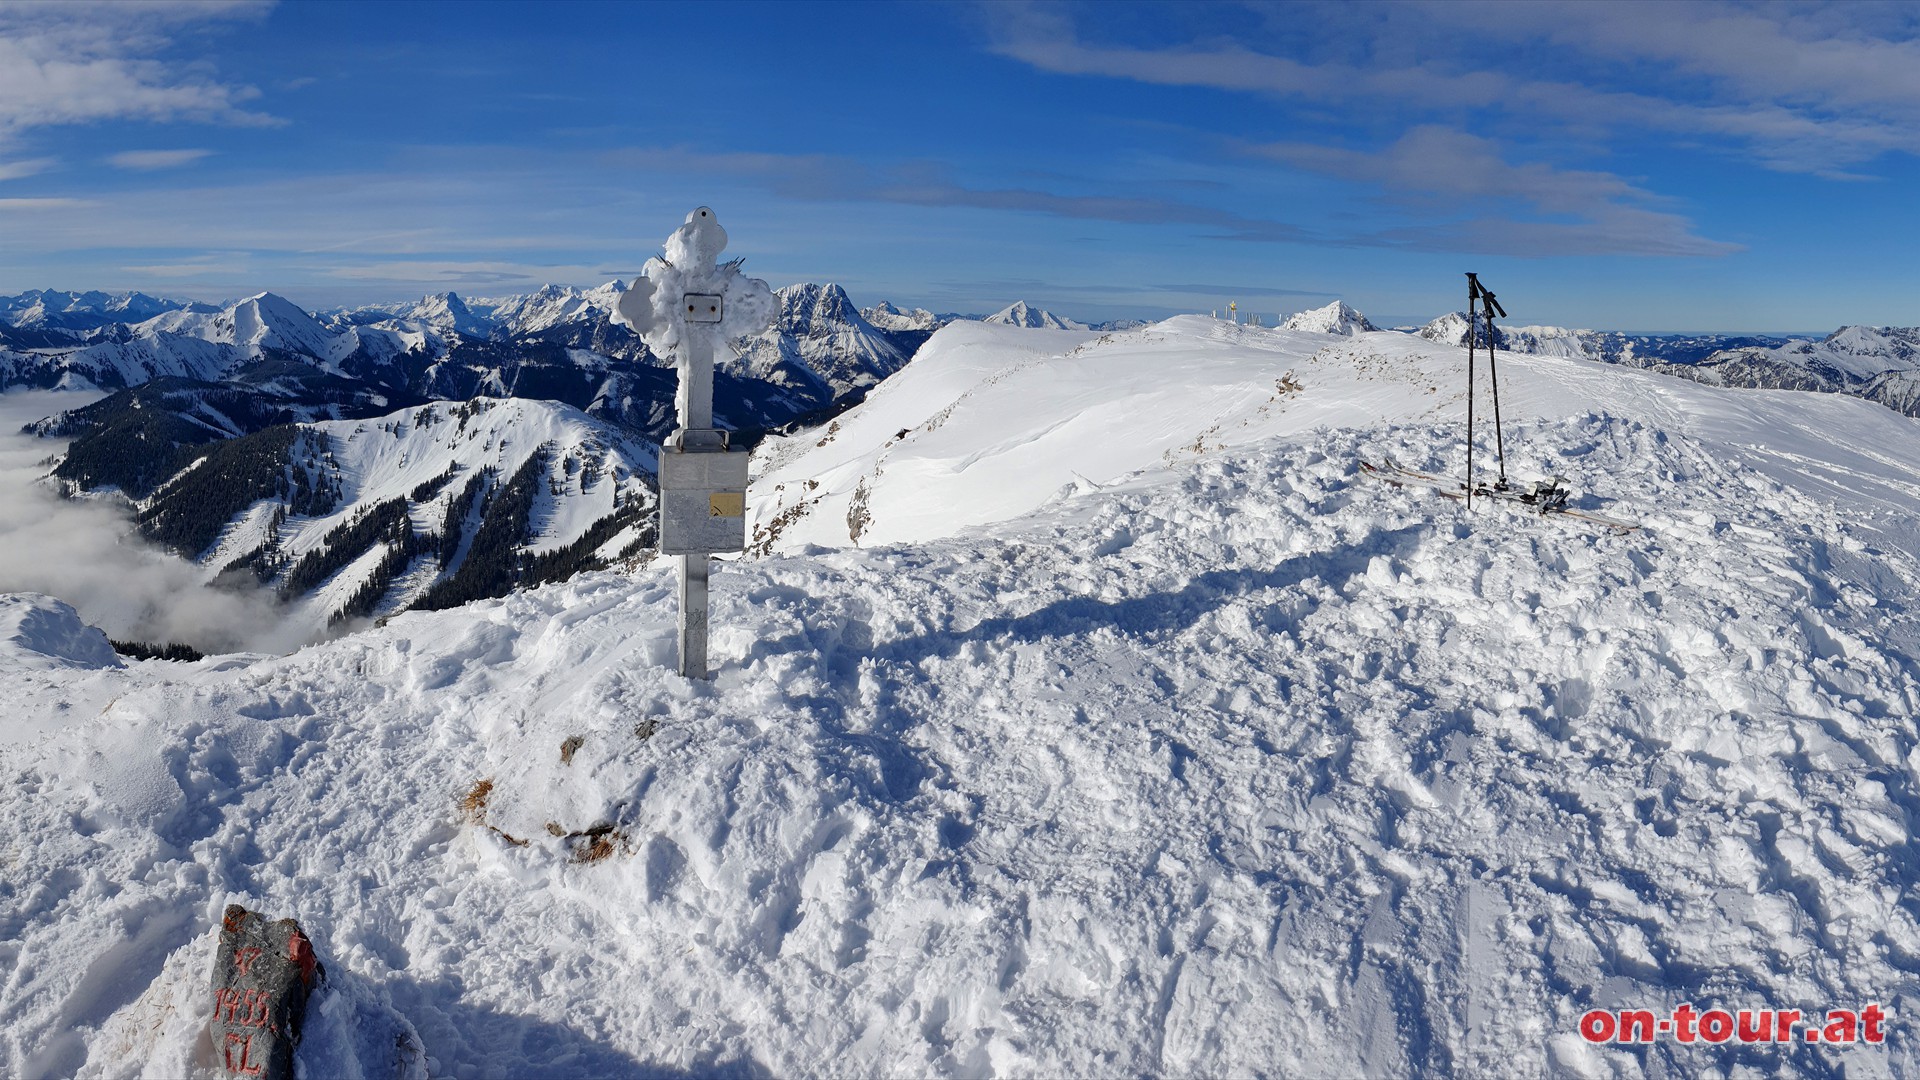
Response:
column 1202, row 755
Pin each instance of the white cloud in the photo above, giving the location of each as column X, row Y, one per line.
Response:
column 147, row 160
column 1521, row 209
column 30, row 205
column 78, row 62
column 1800, row 91
column 15, row 170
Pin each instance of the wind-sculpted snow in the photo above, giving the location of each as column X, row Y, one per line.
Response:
column 41, row 632
column 1247, row 764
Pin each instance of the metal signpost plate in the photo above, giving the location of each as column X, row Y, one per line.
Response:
column 703, row 501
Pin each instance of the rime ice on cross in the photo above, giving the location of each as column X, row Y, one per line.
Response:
column 654, row 307
column 685, row 302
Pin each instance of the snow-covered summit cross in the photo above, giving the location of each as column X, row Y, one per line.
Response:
column 687, row 302
column 657, row 306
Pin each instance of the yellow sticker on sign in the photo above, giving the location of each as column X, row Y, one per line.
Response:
column 727, row 504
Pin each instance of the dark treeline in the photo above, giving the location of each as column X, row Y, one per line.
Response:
column 494, row 561
column 235, row 474
column 142, row 650
column 348, row 541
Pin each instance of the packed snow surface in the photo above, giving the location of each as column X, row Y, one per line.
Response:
column 1216, row 758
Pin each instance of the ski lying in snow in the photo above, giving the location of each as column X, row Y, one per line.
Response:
column 1548, row 498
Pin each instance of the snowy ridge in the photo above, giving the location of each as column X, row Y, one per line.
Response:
column 887, row 317
column 1880, row 364
column 53, row 309
column 1851, row 354
column 41, row 632
column 443, row 462
column 954, row 442
column 551, row 306
column 119, row 362
column 260, row 322
column 1636, row 350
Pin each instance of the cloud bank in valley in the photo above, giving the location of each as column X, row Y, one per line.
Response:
column 86, row 553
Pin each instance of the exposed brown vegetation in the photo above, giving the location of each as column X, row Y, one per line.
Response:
column 473, row 805
column 572, row 743
column 597, row 843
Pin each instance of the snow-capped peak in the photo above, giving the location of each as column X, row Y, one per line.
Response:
column 808, row 303
column 448, row 313
column 1335, row 318
column 261, row 321
column 1020, row 313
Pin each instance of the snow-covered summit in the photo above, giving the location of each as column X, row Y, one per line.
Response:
column 448, row 314
column 1850, row 354
column 807, row 308
column 259, row 322
column 1451, row 329
column 519, row 478
column 953, row 802
column 1020, row 313
column 820, row 332
column 553, row 305
column 1335, row 318
column 1448, row 329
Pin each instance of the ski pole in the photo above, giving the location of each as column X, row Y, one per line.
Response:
column 1493, row 373
column 1473, row 294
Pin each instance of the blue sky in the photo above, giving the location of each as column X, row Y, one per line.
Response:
column 1635, row 166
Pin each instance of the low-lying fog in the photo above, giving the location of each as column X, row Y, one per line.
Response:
column 86, row 553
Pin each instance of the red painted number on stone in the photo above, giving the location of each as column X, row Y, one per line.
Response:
column 247, row 1008
column 243, row 1068
column 243, row 960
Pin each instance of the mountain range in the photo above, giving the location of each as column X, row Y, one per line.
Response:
column 1880, row 364
column 234, row 430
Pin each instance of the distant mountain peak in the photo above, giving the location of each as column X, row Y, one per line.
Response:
column 1021, row 313
column 1334, row 318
